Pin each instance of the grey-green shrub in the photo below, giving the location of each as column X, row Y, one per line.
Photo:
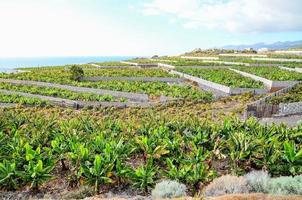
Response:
column 286, row 185
column 256, row 180
column 226, row 185
column 168, row 189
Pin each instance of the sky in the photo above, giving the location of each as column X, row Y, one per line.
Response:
column 35, row 28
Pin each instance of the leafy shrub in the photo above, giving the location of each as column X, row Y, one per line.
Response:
column 143, row 177
column 286, row 185
column 169, row 189
column 77, row 73
column 8, row 175
column 257, row 180
column 226, row 185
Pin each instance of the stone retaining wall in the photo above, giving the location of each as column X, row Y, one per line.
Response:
column 200, row 58
column 227, row 63
column 242, row 55
column 262, row 109
column 290, row 108
column 264, row 65
column 110, row 67
column 206, row 67
column 271, row 85
column 129, row 63
column 7, row 105
column 278, row 59
column 291, row 69
column 166, row 66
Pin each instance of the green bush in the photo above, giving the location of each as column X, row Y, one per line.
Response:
column 77, row 73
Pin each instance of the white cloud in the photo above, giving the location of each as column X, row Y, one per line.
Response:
column 66, row 28
column 232, row 15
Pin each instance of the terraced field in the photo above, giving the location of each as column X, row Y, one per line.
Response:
column 56, row 92
column 154, row 89
column 192, row 141
column 294, row 95
column 272, row 73
column 18, row 99
column 222, row 76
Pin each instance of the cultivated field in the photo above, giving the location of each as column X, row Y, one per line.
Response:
column 71, row 132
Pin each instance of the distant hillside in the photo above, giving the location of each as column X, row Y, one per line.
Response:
column 273, row 46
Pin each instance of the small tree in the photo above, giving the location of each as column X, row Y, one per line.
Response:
column 77, row 73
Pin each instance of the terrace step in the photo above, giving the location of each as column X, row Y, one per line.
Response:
column 271, row 85
column 223, row 89
column 117, row 94
column 78, row 104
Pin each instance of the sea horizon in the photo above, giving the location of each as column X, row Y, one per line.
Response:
column 10, row 63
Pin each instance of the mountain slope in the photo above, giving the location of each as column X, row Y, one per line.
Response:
column 272, row 46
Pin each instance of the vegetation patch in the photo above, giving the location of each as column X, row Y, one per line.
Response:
column 56, row 92
column 272, row 73
column 112, row 150
column 150, row 88
column 12, row 98
column 294, row 95
column 222, row 76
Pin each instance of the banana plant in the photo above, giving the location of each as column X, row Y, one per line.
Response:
column 177, row 172
column 144, row 177
column 36, row 173
column 59, row 147
column 121, row 172
column 150, row 148
column 240, row 146
column 267, row 153
column 78, row 156
column 8, row 175
column 293, row 157
column 99, row 173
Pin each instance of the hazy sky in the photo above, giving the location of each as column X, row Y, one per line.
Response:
column 141, row 27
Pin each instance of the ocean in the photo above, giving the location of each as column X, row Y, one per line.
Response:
column 9, row 64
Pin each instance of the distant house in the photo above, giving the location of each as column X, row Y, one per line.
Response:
column 249, row 49
column 262, row 50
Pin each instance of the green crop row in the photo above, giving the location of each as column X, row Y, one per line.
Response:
column 294, row 95
column 222, row 76
column 151, row 88
column 128, row 73
column 286, row 56
column 56, row 92
column 102, row 152
column 292, row 65
column 272, row 73
column 13, row 98
column 48, row 68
